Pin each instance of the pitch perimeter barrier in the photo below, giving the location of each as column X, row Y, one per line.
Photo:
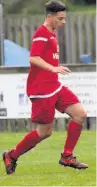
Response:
column 15, row 105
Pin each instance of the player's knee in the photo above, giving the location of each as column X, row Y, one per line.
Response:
column 44, row 131
column 46, row 135
column 80, row 118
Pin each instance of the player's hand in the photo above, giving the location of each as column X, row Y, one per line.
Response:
column 61, row 69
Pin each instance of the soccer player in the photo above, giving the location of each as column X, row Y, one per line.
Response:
column 47, row 94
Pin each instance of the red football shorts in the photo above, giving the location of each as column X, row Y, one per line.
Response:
column 43, row 109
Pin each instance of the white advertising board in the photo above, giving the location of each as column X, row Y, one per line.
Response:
column 14, row 102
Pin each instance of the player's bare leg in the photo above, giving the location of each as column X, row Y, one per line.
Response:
column 78, row 115
column 42, row 132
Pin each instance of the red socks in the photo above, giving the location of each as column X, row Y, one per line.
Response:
column 74, row 131
column 32, row 138
column 29, row 141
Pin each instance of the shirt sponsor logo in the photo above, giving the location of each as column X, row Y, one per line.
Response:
column 56, row 56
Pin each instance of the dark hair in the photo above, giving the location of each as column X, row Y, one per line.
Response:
column 54, row 6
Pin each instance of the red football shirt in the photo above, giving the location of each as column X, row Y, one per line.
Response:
column 40, row 81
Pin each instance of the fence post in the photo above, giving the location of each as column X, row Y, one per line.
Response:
column 1, row 34
column 80, row 33
column 88, row 33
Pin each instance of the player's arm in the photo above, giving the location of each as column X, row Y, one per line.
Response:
column 37, row 48
column 38, row 61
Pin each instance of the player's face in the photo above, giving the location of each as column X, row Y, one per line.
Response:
column 59, row 19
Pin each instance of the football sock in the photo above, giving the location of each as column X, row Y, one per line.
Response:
column 73, row 134
column 28, row 142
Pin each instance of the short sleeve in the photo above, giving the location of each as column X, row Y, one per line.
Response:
column 38, row 45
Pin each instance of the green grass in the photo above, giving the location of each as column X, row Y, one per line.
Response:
column 40, row 167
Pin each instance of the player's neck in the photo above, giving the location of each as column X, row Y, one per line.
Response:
column 49, row 27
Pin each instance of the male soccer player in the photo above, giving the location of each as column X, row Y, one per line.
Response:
column 47, row 94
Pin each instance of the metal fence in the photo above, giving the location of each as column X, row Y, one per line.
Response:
column 78, row 36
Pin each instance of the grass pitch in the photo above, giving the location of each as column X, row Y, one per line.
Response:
column 39, row 167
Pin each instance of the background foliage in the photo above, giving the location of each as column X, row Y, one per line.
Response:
column 36, row 6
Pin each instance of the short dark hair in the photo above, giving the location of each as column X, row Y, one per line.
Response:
column 54, row 6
